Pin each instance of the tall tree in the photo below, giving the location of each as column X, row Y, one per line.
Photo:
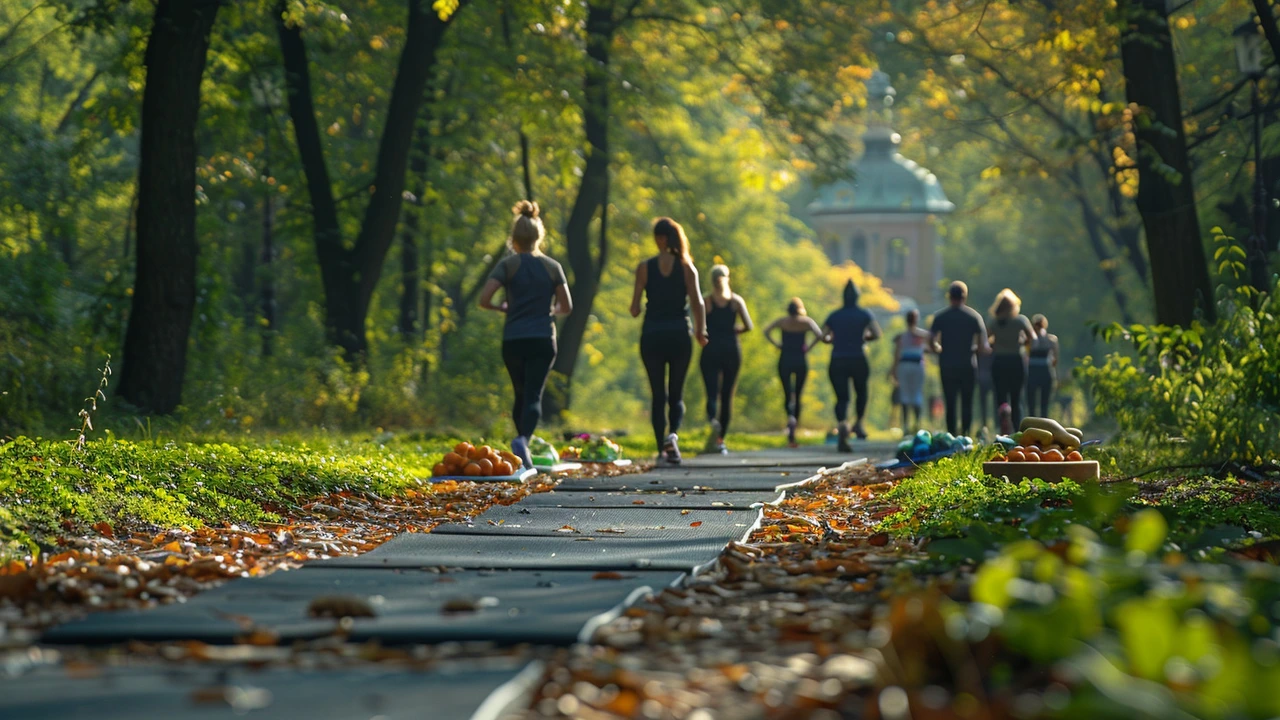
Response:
column 1166, row 198
column 164, row 293
column 350, row 274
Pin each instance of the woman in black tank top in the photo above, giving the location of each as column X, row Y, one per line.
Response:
column 793, row 363
column 722, row 357
column 669, row 283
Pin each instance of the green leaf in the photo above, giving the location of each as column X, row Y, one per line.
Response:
column 1147, row 531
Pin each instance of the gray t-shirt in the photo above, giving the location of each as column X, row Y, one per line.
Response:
column 1008, row 335
column 958, row 327
column 531, row 281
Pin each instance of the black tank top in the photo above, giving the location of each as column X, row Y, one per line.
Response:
column 722, row 324
column 793, row 346
column 667, row 299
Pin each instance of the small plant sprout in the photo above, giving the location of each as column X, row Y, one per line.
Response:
column 91, row 404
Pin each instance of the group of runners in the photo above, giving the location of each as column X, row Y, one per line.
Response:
column 677, row 315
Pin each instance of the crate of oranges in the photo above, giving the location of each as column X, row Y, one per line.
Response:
column 1045, row 450
column 480, row 463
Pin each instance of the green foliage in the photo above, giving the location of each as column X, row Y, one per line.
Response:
column 43, row 482
column 1209, row 389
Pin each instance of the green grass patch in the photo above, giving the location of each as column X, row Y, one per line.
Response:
column 44, row 482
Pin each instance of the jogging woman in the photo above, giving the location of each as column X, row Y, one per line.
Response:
column 1010, row 333
column 1042, row 367
column 793, row 364
column 907, row 372
column 535, row 291
column 848, row 330
column 722, row 357
column 669, row 283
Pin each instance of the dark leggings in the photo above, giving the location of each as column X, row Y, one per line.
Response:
column 1039, row 387
column 720, row 366
column 793, row 374
column 1009, row 373
column 842, row 371
column 528, row 362
column 660, row 351
column 957, row 392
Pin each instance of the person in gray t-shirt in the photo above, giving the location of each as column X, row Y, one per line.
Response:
column 955, row 335
column 536, row 291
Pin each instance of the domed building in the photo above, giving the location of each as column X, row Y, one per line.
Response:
column 885, row 218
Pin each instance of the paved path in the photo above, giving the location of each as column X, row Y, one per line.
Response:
column 547, row 571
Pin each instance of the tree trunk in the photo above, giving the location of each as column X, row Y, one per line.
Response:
column 410, row 325
column 592, row 196
column 164, row 293
column 1166, row 198
column 351, row 276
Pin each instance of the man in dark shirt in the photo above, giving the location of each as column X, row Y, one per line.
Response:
column 956, row 333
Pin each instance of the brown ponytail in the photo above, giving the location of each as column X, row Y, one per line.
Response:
column 677, row 243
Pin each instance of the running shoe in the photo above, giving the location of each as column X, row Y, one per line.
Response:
column 714, row 440
column 860, row 431
column 720, row 447
column 843, row 445
column 671, row 448
column 791, row 431
column 520, row 447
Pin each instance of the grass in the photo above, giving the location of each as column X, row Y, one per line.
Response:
column 46, row 482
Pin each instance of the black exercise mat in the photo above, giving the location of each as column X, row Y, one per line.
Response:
column 670, row 552
column 687, row 481
column 194, row 692
column 680, row 500
column 510, row 607
column 634, row 522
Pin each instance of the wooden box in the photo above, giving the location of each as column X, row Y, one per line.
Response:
column 1078, row 470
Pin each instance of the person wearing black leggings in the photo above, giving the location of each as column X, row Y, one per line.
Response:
column 1042, row 367
column 722, row 357
column 848, row 330
column 669, row 283
column 793, row 363
column 535, row 291
column 957, row 333
column 1011, row 334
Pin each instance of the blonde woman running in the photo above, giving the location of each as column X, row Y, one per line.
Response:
column 722, row 357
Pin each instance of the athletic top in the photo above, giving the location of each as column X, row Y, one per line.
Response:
column 957, row 326
column 531, row 281
column 667, row 299
column 1007, row 334
column 848, row 328
column 910, row 348
column 793, row 346
column 1042, row 349
column 722, row 324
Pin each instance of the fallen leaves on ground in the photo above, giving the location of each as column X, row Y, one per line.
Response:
column 102, row 567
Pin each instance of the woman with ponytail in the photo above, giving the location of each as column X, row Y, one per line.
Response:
column 848, row 330
column 535, row 292
column 793, row 363
column 722, row 357
column 669, row 283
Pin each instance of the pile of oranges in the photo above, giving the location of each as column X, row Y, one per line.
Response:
column 1037, row 453
column 471, row 461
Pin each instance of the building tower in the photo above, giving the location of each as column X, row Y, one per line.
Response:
column 885, row 219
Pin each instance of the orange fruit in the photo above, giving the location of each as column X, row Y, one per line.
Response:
column 440, row 469
column 454, row 460
column 1053, row 456
column 1017, row 455
column 462, row 448
column 471, row 470
column 1075, row 456
column 486, row 467
column 474, row 454
column 1032, row 456
column 502, row 468
column 485, row 449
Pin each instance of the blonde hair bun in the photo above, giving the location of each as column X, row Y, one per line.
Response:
column 526, row 208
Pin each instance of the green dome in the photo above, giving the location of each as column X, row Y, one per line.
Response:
column 884, row 182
